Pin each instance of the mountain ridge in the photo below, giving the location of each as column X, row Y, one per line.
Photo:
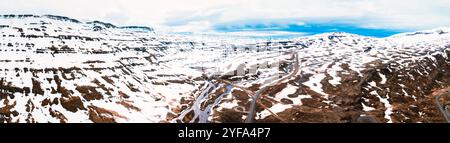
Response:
column 64, row 18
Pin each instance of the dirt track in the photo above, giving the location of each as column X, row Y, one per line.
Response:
column 251, row 114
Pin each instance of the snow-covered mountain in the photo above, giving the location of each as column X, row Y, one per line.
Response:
column 58, row 69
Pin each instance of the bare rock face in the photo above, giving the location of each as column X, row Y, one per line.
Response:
column 58, row 69
column 101, row 115
column 72, row 104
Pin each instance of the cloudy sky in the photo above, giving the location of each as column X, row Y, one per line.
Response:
column 296, row 17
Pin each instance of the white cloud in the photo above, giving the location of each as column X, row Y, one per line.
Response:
column 193, row 26
column 300, row 23
column 185, row 15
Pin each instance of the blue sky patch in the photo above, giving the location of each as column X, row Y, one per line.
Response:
column 310, row 29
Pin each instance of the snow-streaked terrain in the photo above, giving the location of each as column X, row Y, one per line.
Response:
column 58, row 69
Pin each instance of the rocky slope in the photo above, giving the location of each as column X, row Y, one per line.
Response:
column 58, row 69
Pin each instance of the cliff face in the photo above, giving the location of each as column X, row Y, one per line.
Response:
column 410, row 89
column 57, row 69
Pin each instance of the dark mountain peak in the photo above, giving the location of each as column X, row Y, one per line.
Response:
column 143, row 28
column 18, row 16
column 103, row 24
column 62, row 18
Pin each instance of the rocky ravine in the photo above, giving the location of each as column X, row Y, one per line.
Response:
column 58, row 69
